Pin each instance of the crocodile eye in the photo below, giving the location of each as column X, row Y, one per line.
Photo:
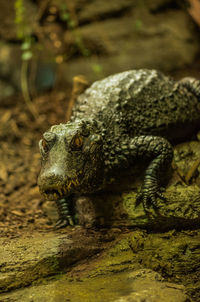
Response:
column 45, row 145
column 47, row 142
column 77, row 142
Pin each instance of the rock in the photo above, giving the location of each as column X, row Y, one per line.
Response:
column 138, row 286
column 107, row 37
column 146, row 285
column 25, row 260
column 123, row 43
column 126, row 267
column 88, row 11
column 173, row 254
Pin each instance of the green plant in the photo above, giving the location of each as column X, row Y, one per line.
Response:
column 23, row 30
column 24, row 34
column 138, row 24
column 68, row 15
column 97, row 68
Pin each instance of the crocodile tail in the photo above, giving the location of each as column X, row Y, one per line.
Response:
column 192, row 84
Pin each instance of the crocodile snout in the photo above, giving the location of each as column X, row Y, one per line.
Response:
column 52, row 183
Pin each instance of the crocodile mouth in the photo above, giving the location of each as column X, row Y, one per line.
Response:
column 60, row 192
column 53, row 194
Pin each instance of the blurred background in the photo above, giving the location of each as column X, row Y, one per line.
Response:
column 44, row 44
column 47, row 42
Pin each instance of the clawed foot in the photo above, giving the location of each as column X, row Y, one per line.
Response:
column 64, row 212
column 61, row 223
column 149, row 198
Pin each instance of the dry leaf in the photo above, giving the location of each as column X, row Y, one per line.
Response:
column 3, row 172
column 194, row 10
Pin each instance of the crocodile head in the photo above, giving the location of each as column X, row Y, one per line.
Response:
column 72, row 159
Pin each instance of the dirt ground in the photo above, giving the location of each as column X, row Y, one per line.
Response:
column 20, row 201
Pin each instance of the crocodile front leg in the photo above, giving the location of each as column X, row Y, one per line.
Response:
column 160, row 152
column 65, row 217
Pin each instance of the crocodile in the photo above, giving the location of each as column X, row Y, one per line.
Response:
column 136, row 114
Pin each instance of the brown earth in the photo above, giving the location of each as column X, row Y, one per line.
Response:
column 20, row 201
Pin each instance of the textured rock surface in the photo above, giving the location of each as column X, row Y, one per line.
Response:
column 112, row 274
column 147, row 36
column 108, row 37
column 138, row 286
column 40, row 255
column 147, row 286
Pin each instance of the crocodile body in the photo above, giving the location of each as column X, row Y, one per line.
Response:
column 130, row 115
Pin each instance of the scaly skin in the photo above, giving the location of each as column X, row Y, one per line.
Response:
column 130, row 115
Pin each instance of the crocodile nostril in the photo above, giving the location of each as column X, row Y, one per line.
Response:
column 52, row 183
column 50, row 180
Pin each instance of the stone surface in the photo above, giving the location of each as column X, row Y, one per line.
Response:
column 112, row 274
column 28, row 259
column 147, row 286
column 108, row 37
column 138, row 286
column 88, row 11
column 173, row 254
column 119, row 41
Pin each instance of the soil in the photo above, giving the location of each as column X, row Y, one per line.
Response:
column 20, row 201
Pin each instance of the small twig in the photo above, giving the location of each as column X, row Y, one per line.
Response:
column 79, row 85
column 194, row 10
column 42, row 9
column 25, row 90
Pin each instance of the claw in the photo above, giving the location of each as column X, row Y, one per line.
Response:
column 71, row 222
column 149, row 199
column 64, row 211
column 61, row 223
column 161, row 196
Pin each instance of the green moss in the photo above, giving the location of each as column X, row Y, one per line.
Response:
column 117, row 259
column 173, row 254
column 98, row 289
